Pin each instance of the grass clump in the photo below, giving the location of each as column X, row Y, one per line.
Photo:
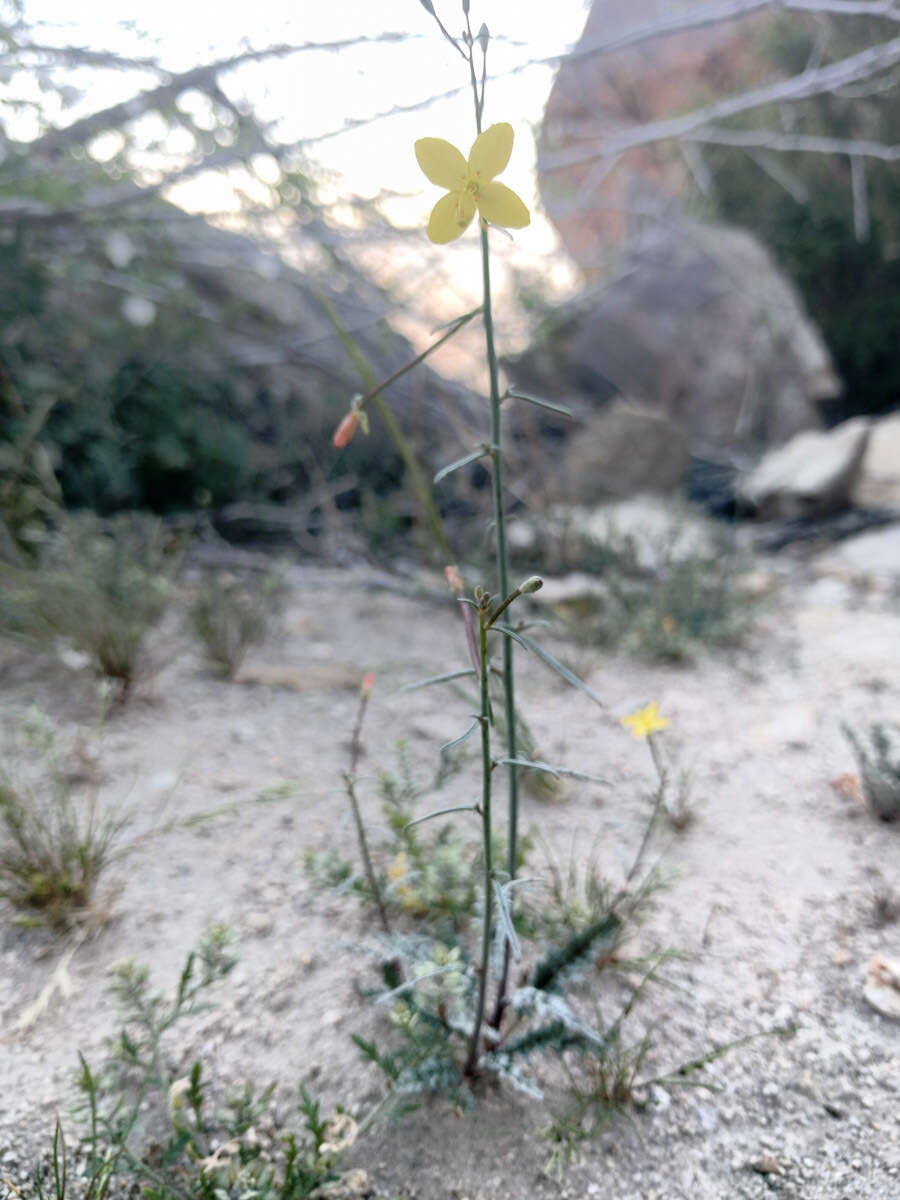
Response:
column 667, row 605
column 879, row 771
column 56, row 837
column 230, row 614
column 98, row 588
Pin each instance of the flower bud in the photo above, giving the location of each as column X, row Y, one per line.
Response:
column 368, row 682
column 343, row 435
column 533, row 583
column 454, row 579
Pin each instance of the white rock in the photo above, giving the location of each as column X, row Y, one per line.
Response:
column 882, row 988
column 813, row 474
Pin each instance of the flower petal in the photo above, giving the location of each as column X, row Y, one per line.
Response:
column 441, row 162
column 450, row 217
column 491, row 150
column 501, row 206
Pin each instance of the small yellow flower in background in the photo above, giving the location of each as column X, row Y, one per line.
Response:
column 398, row 867
column 645, row 721
column 471, row 184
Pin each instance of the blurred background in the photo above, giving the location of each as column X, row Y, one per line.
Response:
column 212, row 237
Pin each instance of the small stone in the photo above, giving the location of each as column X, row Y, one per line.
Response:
column 260, row 923
column 882, row 987
column 767, row 1165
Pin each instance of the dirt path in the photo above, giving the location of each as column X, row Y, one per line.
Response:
column 770, row 893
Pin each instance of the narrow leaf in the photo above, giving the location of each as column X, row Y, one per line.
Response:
column 473, row 456
column 529, row 764
column 473, row 312
column 439, row 812
column 446, row 678
column 539, row 401
column 506, row 921
column 462, row 737
column 556, row 665
column 511, row 633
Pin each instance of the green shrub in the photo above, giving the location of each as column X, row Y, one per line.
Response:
column 99, row 587
column 229, row 614
column 56, row 836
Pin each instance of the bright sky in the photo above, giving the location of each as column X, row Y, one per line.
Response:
column 313, row 93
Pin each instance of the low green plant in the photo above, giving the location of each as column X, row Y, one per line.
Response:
column 879, row 771
column 145, row 1129
column 230, row 614
column 98, row 588
column 59, row 835
column 690, row 599
column 57, row 838
column 430, row 879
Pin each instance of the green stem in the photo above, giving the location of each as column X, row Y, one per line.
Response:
column 502, row 553
column 501, row 548
column 487, row 767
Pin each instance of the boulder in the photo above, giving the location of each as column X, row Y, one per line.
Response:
column 878, row 485
column 624, row 450
column 700, row 326
column 812, row 475
column 596, row 94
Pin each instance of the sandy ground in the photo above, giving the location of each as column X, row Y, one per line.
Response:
column 770, row 892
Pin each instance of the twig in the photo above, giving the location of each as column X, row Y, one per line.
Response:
column 350, row 776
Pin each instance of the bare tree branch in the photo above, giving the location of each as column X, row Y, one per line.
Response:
column 56, row 140
column 770, row 139
column 808, row 83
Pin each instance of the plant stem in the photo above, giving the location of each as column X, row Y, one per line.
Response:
column 501, row 548
column 350, row 782
column 657, row 805
column 487, row 767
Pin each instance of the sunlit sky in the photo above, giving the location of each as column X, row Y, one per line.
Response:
column 314, row 93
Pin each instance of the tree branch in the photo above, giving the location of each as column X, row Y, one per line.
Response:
column 808, row 83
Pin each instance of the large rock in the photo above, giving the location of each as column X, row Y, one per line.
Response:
column 624, row 450
column 598, row 94
column 878, row 485
column 813, row 475
column 701, row 327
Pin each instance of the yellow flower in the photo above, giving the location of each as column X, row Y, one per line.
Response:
column 471, row 185
column 398, row 867
column 645, row 721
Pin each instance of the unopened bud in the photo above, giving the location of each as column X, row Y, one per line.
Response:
column 484, row 36
column 533, row 583
column 465, row 7
column 454, row 579
column 343, row 435
column 428, row 6
column 368, row 682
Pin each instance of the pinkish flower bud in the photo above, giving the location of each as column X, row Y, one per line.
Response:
column 454, row 579
column 368, row 682
column 345, row 431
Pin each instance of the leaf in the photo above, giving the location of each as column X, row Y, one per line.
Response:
column 473, row 312
column 471, row 457
column 557, row 666
column 509, row 931
column 539, row 401
column 440, row 812
column 448, row 677
column 511, row 633
column 462, row 737
column 529, row 764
